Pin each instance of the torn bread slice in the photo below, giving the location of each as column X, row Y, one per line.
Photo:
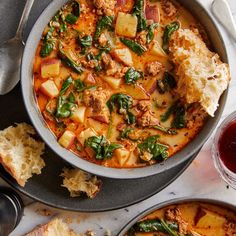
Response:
column 201, row 76
column 55, row 227
column 78, row 182
column 20, row 153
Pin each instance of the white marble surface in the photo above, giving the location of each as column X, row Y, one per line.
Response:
column 199, row 180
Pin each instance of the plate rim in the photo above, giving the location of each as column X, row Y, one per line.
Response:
column 17, row 187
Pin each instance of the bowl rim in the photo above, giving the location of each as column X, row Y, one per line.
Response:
column 42, row 129
column 172, row 202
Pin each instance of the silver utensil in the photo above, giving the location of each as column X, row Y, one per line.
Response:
column 223, row 14
column 11, row 53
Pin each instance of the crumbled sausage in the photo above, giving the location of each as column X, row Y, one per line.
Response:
column 121, row 71
column 95, row 99
column 121, row 126
column 169, row 8
column 195, row 115
column 110, row 65
column 174, row 214
column 230, row 228
column 96, row 102
column 105, row 7
column 144, row 105
column 102, row 40
column 147, row 119
column 142, row 37
column 153, row 68
column 91, row 64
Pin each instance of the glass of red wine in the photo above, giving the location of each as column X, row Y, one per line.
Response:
column 224, row 150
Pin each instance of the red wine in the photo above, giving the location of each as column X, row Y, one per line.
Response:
column 227, row 146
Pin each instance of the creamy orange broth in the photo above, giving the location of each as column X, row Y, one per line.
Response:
column 144, row 89
column 202, row 218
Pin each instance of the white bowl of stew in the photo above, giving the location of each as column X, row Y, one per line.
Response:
column 102, row 99
column 194, row 217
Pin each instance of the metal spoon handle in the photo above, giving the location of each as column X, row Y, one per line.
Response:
column 222, row 12
column 24, row 18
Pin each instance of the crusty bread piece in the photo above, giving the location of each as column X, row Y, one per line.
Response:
column 202, row 76
column 55, row 227
column 78, row 182
column 20, row 153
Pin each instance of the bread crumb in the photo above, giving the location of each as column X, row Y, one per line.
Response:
column 107, row 233
column 44, row 212
column 78, row 182
column 90, row 233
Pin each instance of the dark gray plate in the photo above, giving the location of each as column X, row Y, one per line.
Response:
column 46, row 187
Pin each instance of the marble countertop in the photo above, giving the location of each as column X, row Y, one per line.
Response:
column 199, row 180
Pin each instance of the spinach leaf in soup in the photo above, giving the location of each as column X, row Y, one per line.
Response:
column 167, row 83
column 66, row 84
column 79, row 85
column 158, row 151
column 169, row 30
column 102, row 147
column 68, row 61
column 179, row 121
column 59, row 19
column 76, row 8
column 65, row 104
column 138, row 10
column 154, row 225
column 134, row 46
column 132, row 75
column 150, row 32
column 126, row 134
column 179, row 112
column 85, row 43
column 106, row 22
column 71, row 98
column 71, row 18
column 120, row 101
column 165, row 130
column 64, row 107
column 123, row 103
column 48, row 43
column 130, row 118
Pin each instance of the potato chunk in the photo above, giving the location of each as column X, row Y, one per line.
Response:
column 124, row 55
column 157, row 50
column 50, row 68
column 49, row 88
column 210, row 219
column 126, row 25
column 113, row 82
column 67, row 139
column 86, row 134
column 78, row 114
column 137, row 92
column 122, row 155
